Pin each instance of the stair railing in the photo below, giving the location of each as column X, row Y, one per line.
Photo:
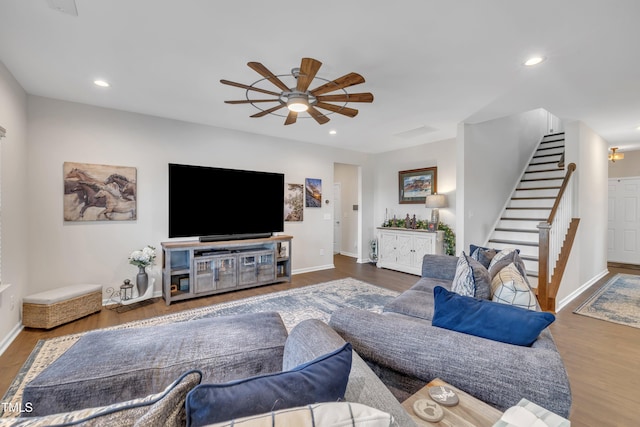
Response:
column 552, row 253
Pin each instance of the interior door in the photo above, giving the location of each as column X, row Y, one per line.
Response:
column 624, row 220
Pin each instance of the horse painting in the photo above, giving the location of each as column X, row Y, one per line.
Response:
column 115, row 205
column 99, row 192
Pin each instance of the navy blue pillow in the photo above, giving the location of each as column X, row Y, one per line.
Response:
column 322, row 380
column 488, row 319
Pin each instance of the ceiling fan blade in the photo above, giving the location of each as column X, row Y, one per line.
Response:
column 317, row 115
column 308, row 70
column 291, row 118
column 251, row 101
column 269, row 111
column 345, row 111
column 264, row 72
column 257, row 89
column 344, row 97
column 339, row 83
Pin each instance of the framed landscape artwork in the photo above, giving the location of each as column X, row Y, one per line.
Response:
column 416, row 184
column 99, row 192
column 313, row 193
column 293, row 202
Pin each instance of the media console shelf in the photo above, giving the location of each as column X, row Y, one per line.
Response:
column 192, row 269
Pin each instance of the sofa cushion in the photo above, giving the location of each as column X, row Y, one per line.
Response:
column 509, row 287
column 488, row 319
column 482, row 254
column 324, row 379
column 165, row 408
column 412, row 303
column 332, row 414
column 108, row 366
column 504, row 258
column 471, row 279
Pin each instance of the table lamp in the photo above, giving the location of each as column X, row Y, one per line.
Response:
column 436, row 201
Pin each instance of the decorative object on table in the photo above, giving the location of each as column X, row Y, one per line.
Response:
column 126, row 290
column 293, row 203
column 432, row 226
column 444, row 395
column 407, row 221
column 414, row 222
column 394, row 223
column 99, row 192
column 416, row 184
column 428, row 410
column 313, row 193
column 435, row 202
column 142, row 259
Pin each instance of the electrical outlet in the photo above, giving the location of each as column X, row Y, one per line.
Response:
column 321, row 252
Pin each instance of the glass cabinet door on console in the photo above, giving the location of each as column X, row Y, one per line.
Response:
column 215, row 272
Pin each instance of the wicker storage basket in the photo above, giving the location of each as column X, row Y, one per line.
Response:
column 48, row 316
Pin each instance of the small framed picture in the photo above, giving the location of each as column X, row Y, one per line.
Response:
column 184, row 284
column 416, row 184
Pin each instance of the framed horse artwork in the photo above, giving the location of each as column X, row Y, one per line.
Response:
column 99, row 192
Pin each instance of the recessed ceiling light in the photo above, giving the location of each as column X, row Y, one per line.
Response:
column 534, row 60
column 101, row 83
column 333, row 132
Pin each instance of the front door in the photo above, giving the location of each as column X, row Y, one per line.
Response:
column 624, row 220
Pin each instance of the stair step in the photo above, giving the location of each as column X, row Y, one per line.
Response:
column 514, row 242
column 543, row 163
column 546, row 155
column 531, row 273
column 517, row 230
column 527, row 208
column 504, row 218
column 550, row 148
column 538, row 188
column 529, row 258
column 547, row 170
column 534, row 198
column 542, row 179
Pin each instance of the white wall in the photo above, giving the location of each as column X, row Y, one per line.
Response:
column 626, row 168
column 16, row 260
column 492, row 156
column 96, row 252
column 588, row 260
column 441, row 154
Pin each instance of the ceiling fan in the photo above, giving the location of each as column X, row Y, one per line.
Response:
column 299, row 98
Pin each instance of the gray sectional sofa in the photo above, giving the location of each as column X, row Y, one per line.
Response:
column 138, row 376
column 406, row 351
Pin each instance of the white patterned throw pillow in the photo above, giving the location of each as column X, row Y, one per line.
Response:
column 463, row 282
column 332, row 414
column 509, row 287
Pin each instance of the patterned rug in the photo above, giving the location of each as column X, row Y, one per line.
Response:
column 617, row 301
column 294, row 305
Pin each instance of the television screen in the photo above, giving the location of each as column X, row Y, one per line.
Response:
column 216, row 202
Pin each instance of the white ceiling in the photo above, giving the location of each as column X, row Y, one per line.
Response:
column 430, row 64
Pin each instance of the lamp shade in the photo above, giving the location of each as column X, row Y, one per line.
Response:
column 436, row 201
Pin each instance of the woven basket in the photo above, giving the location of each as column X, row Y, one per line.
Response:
column 49, row 316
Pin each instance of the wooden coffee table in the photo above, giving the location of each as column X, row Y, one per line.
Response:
column 470, row 412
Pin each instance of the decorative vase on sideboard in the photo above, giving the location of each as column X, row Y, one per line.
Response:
column 142, row 281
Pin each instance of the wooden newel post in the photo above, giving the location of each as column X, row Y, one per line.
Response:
column 543, row 265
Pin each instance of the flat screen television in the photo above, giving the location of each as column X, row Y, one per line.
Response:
column 220, row 204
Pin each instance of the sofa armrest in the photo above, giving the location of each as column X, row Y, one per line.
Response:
column 496, row 373
column 439, row 266
column 313, row 338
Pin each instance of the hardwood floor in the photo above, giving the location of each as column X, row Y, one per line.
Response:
column 602, row 358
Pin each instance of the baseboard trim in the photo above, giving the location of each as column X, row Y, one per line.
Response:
column 312, row 269
column 575, row 294
column 6, row 341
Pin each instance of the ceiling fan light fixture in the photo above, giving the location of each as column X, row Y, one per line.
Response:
column 298, row 103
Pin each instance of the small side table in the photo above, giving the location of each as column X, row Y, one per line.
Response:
column 470, row 412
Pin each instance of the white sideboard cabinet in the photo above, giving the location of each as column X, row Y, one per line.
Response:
column 403, row 249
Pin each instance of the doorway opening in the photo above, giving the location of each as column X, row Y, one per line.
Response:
column 347, row 216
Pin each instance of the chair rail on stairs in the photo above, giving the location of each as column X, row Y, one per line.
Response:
column 556, row 236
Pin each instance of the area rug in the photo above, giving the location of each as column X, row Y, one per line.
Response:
column 617, row 301
column 294, row 305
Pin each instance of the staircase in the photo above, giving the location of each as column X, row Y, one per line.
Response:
column 531, row 203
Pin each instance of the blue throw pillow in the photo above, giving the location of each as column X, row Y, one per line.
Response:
column 487, row 319
column 322, row 380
